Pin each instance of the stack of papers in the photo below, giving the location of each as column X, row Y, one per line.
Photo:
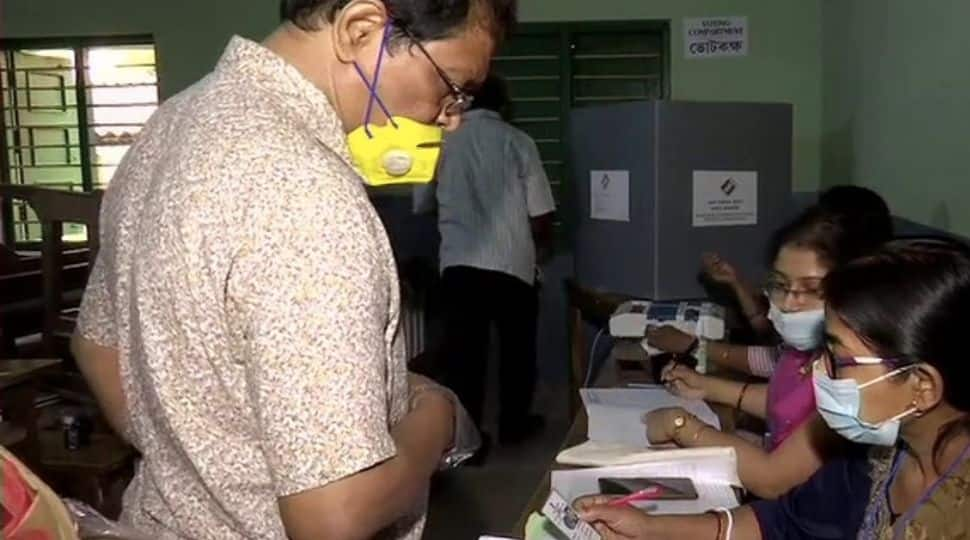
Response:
column 599, row 454
column 616, row 414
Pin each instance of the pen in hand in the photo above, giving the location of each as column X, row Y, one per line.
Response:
column 649, row 494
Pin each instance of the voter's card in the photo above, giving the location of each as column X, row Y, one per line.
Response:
column 562, row 515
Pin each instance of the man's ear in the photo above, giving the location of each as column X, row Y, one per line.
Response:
column 357, row 26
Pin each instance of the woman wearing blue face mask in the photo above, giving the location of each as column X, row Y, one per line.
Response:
column 797, row 442
column 893, row 377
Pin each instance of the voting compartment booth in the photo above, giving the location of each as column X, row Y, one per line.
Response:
column 659, row 183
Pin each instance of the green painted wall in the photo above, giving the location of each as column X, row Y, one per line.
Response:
column 784, row 63
column 190, row 34
column 896, row 107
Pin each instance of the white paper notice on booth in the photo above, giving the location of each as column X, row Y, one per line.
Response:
column 725, row 198
column 609, row 195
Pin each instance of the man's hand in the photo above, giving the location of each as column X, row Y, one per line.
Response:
column 464, row 439
column 669, row 339
column 719, row 270
column 435, row 401
column 417, row 383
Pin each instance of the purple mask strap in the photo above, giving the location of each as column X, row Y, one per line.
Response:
column 372, row 88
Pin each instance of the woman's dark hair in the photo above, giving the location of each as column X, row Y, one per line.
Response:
column 821, row 231
column 861, row 210
column 910, row 302
column 426, row 20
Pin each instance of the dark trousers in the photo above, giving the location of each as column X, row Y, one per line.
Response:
column 473, row 300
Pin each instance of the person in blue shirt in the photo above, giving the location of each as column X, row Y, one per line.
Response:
column 893, row 379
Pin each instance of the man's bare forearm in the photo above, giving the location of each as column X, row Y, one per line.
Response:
column 101, row 368
column 360, row 506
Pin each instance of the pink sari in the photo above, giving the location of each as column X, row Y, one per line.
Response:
column 791, row 395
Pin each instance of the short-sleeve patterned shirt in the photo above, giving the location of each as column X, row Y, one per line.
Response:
column 250, row 289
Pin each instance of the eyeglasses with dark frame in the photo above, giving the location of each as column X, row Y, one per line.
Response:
column 462, row 100
column 778, row 292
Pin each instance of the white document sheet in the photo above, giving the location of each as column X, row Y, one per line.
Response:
column 616, row 414
column 713, row 476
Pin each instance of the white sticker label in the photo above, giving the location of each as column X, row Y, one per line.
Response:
column 609, row 195
column 725, row 198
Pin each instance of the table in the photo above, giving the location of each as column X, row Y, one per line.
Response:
column 18, row 389
column 577, row 435
column 16, row 372
column 614, row 374
column 95, row 474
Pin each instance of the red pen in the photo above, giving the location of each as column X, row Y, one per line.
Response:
column 649, row 494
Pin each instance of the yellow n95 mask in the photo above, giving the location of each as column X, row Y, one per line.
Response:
column 400, row 152
column 403, row 151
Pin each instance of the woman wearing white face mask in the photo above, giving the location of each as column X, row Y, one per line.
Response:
column 894, row 377
column 795, row 445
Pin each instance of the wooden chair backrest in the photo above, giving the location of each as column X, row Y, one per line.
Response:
column 54, row 208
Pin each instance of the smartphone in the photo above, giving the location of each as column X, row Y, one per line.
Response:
column 672, row 489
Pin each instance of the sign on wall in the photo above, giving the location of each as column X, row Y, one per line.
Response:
column 609, row 195
column 725, row 198
column 713, row 37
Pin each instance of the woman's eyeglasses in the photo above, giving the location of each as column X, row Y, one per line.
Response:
column 460, row 101
column 778, row 292
column 833, row 363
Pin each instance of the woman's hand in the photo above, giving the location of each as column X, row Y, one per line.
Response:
column 719, row 270
column 660, row 424
column 684, row 382
column 613, row 522
column 669, row 339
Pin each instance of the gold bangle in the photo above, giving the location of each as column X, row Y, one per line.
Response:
column 744, row 390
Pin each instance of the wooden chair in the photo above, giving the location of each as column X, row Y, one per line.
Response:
column 54, row 208
column 21, row 296
column 585, row 306
column 95, row 474
column 19, row 385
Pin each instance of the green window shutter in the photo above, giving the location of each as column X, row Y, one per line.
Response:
column 531, row 64
column 617, row 66
column 553, row 67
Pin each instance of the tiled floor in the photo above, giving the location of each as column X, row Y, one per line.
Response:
column 472, row 501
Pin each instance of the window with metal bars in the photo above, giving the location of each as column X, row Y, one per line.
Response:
column 71, row 108
column 553, row 67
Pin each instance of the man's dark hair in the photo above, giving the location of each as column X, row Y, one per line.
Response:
column 829, row 237
column 860, row 209
column 493, row 95
column 426, row 20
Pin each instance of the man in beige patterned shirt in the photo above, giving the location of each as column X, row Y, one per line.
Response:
column 240, row 325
